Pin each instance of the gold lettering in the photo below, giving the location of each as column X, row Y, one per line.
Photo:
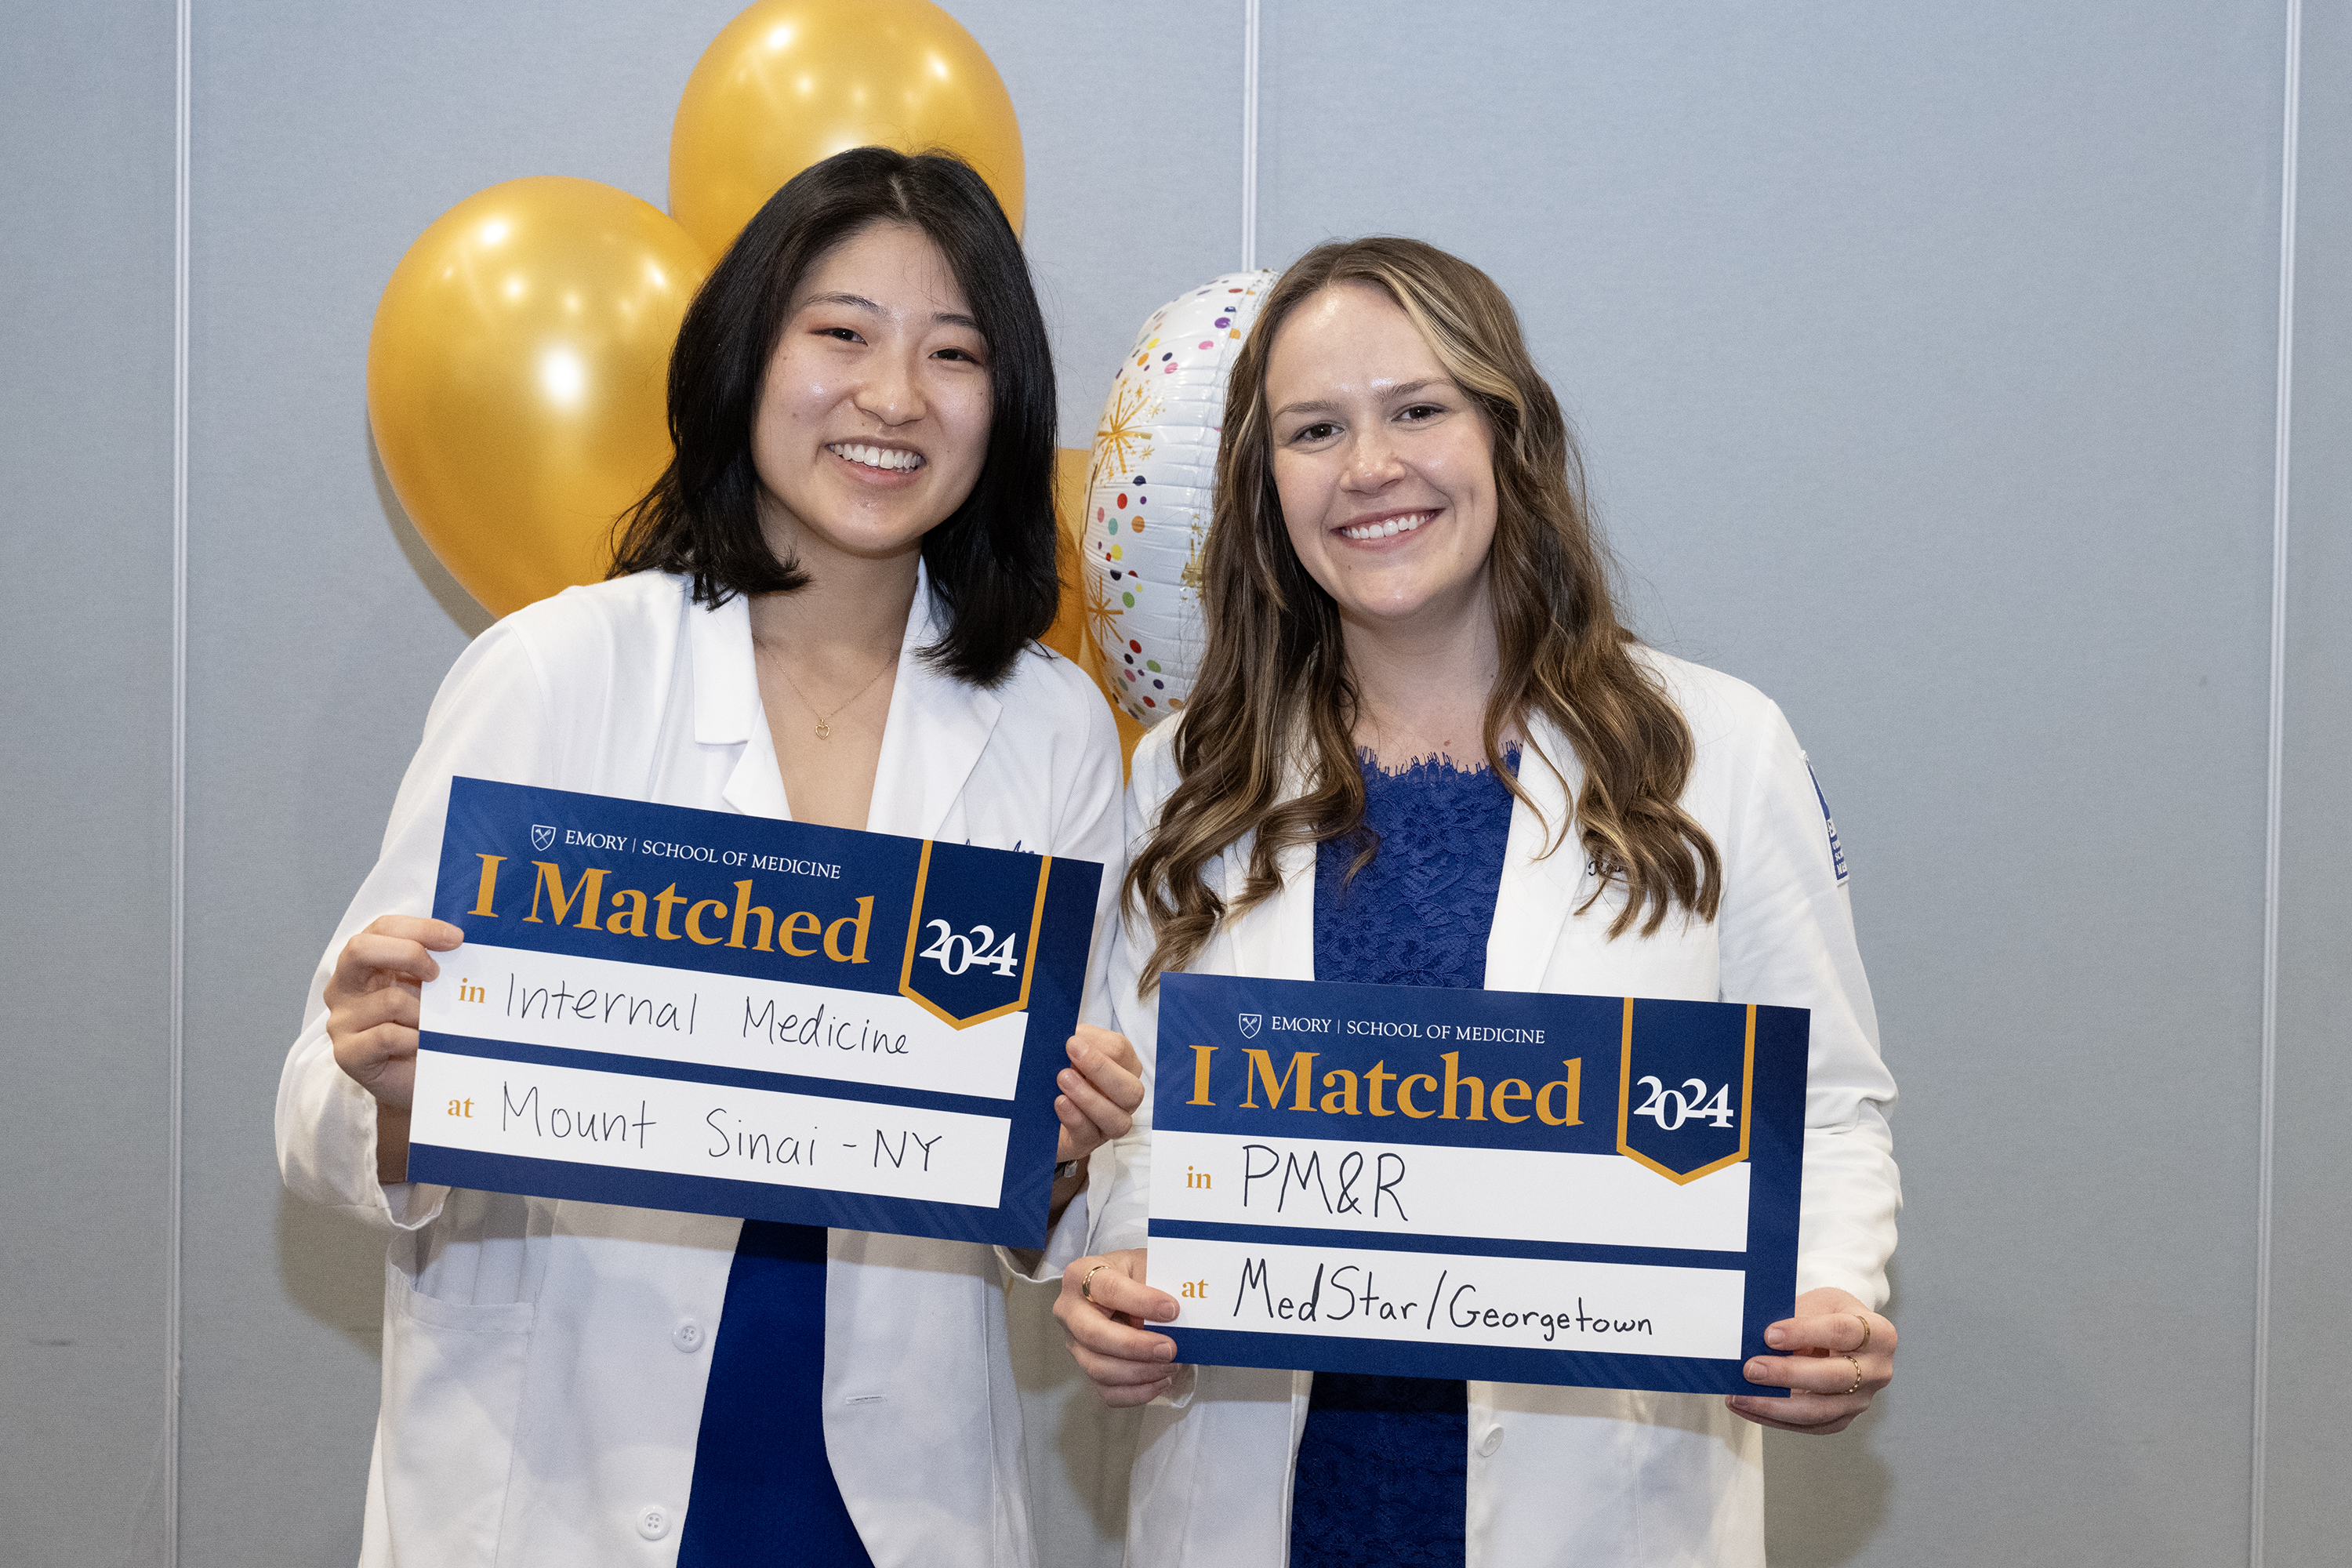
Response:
column 1302, row 1068
column 1200, row 1055
column 1454, row 1084
column 1378, row 1078
column 668, row 899
column 489, row 886
column 628, row 918
column 589, row 891
column 802, row 924
column 1405, row 1094
column 744, row 909
column 1345, row 1095
column 861, row 920
column 1573, row 1096
column 694, row 922
column 1510, row 1089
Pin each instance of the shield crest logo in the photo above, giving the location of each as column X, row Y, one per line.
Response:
column 1249, row 1023
column 541, row 836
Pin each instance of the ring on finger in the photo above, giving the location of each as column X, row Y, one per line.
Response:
column 1086, row 1294
column 1863, row 1319
column 1857, row 1374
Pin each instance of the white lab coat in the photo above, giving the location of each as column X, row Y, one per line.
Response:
column 1558, row 1476
column 544, row 1361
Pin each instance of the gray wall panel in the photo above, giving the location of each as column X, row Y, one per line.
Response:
column 1923, row 357
column 2309, row 1510
column 1131, row 119
column 86, row 115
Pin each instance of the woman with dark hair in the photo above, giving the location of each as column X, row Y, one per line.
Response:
column 1424, row 750
column 826, row 609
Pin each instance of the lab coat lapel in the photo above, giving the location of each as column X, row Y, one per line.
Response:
column 1538, row 893
column 937, row 728
column 1274, row 940
column 726, row 711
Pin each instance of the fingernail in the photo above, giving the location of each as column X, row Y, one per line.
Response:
column 1754, row 1371
column 1774, row 1336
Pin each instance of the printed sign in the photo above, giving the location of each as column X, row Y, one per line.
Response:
column 683, row 1009
column 1424, row 1183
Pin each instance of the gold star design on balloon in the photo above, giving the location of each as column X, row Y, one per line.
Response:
column 1120, row 445
column 1097, row 609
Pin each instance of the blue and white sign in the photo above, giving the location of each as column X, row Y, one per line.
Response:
column 1588, row 1190
column 673, row 1008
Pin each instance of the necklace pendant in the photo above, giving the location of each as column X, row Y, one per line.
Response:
column 824, row 731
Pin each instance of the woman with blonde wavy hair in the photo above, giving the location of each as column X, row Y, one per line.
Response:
column 1424, row 750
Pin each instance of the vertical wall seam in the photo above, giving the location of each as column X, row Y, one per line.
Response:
column 176, row 1043
column 2279, row 510
column 1249, row 135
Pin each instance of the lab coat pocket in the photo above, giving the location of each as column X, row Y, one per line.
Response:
column 453, row 1380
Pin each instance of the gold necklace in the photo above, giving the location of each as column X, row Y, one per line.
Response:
column 824, row 720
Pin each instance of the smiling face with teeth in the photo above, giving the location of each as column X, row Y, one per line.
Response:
column 1384, row 466
column 873, row 417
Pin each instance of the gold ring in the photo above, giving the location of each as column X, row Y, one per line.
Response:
column 1857, row 1375
column 1864, row 1318
column 1086, row 1294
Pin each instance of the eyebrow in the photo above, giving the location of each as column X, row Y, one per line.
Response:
column 1319, row 406
column 860, row 303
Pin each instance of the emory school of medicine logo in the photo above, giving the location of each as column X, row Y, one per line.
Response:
column 541, row 837
column 1249, row 1022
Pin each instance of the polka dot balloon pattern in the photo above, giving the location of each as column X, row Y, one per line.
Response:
column 1149, row 485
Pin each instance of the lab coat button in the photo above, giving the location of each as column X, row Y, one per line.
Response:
column 1488, row 1441
column 686, row 1336
column 653, row 1523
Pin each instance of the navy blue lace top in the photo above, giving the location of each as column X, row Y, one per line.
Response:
column 1382, row 1465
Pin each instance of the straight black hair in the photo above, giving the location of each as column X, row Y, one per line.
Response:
column 991, row 560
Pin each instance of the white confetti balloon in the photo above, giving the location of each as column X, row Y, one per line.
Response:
column 1150, row 483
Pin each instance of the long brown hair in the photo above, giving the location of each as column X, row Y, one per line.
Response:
column 1265, row 746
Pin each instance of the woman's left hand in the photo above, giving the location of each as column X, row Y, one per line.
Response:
column 1100, row 1090
column 1836, row 1354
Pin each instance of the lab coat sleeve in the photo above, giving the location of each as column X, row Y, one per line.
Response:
column 493, row 718
column 1126, row 1201
column 1089, row 826
column 1788, row 939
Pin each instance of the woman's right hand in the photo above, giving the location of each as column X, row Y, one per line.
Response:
column 1103, row 1300
column 372, row 1002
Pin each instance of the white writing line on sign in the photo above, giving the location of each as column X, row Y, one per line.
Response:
column 680, row 1127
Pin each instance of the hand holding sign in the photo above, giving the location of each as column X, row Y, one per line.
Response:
column 1100, row 1090
column 1837, row 1356
column 371, row 1011
column 1103, row 1302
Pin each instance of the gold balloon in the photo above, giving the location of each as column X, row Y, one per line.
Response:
column 517, row 378
column 791, row 82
